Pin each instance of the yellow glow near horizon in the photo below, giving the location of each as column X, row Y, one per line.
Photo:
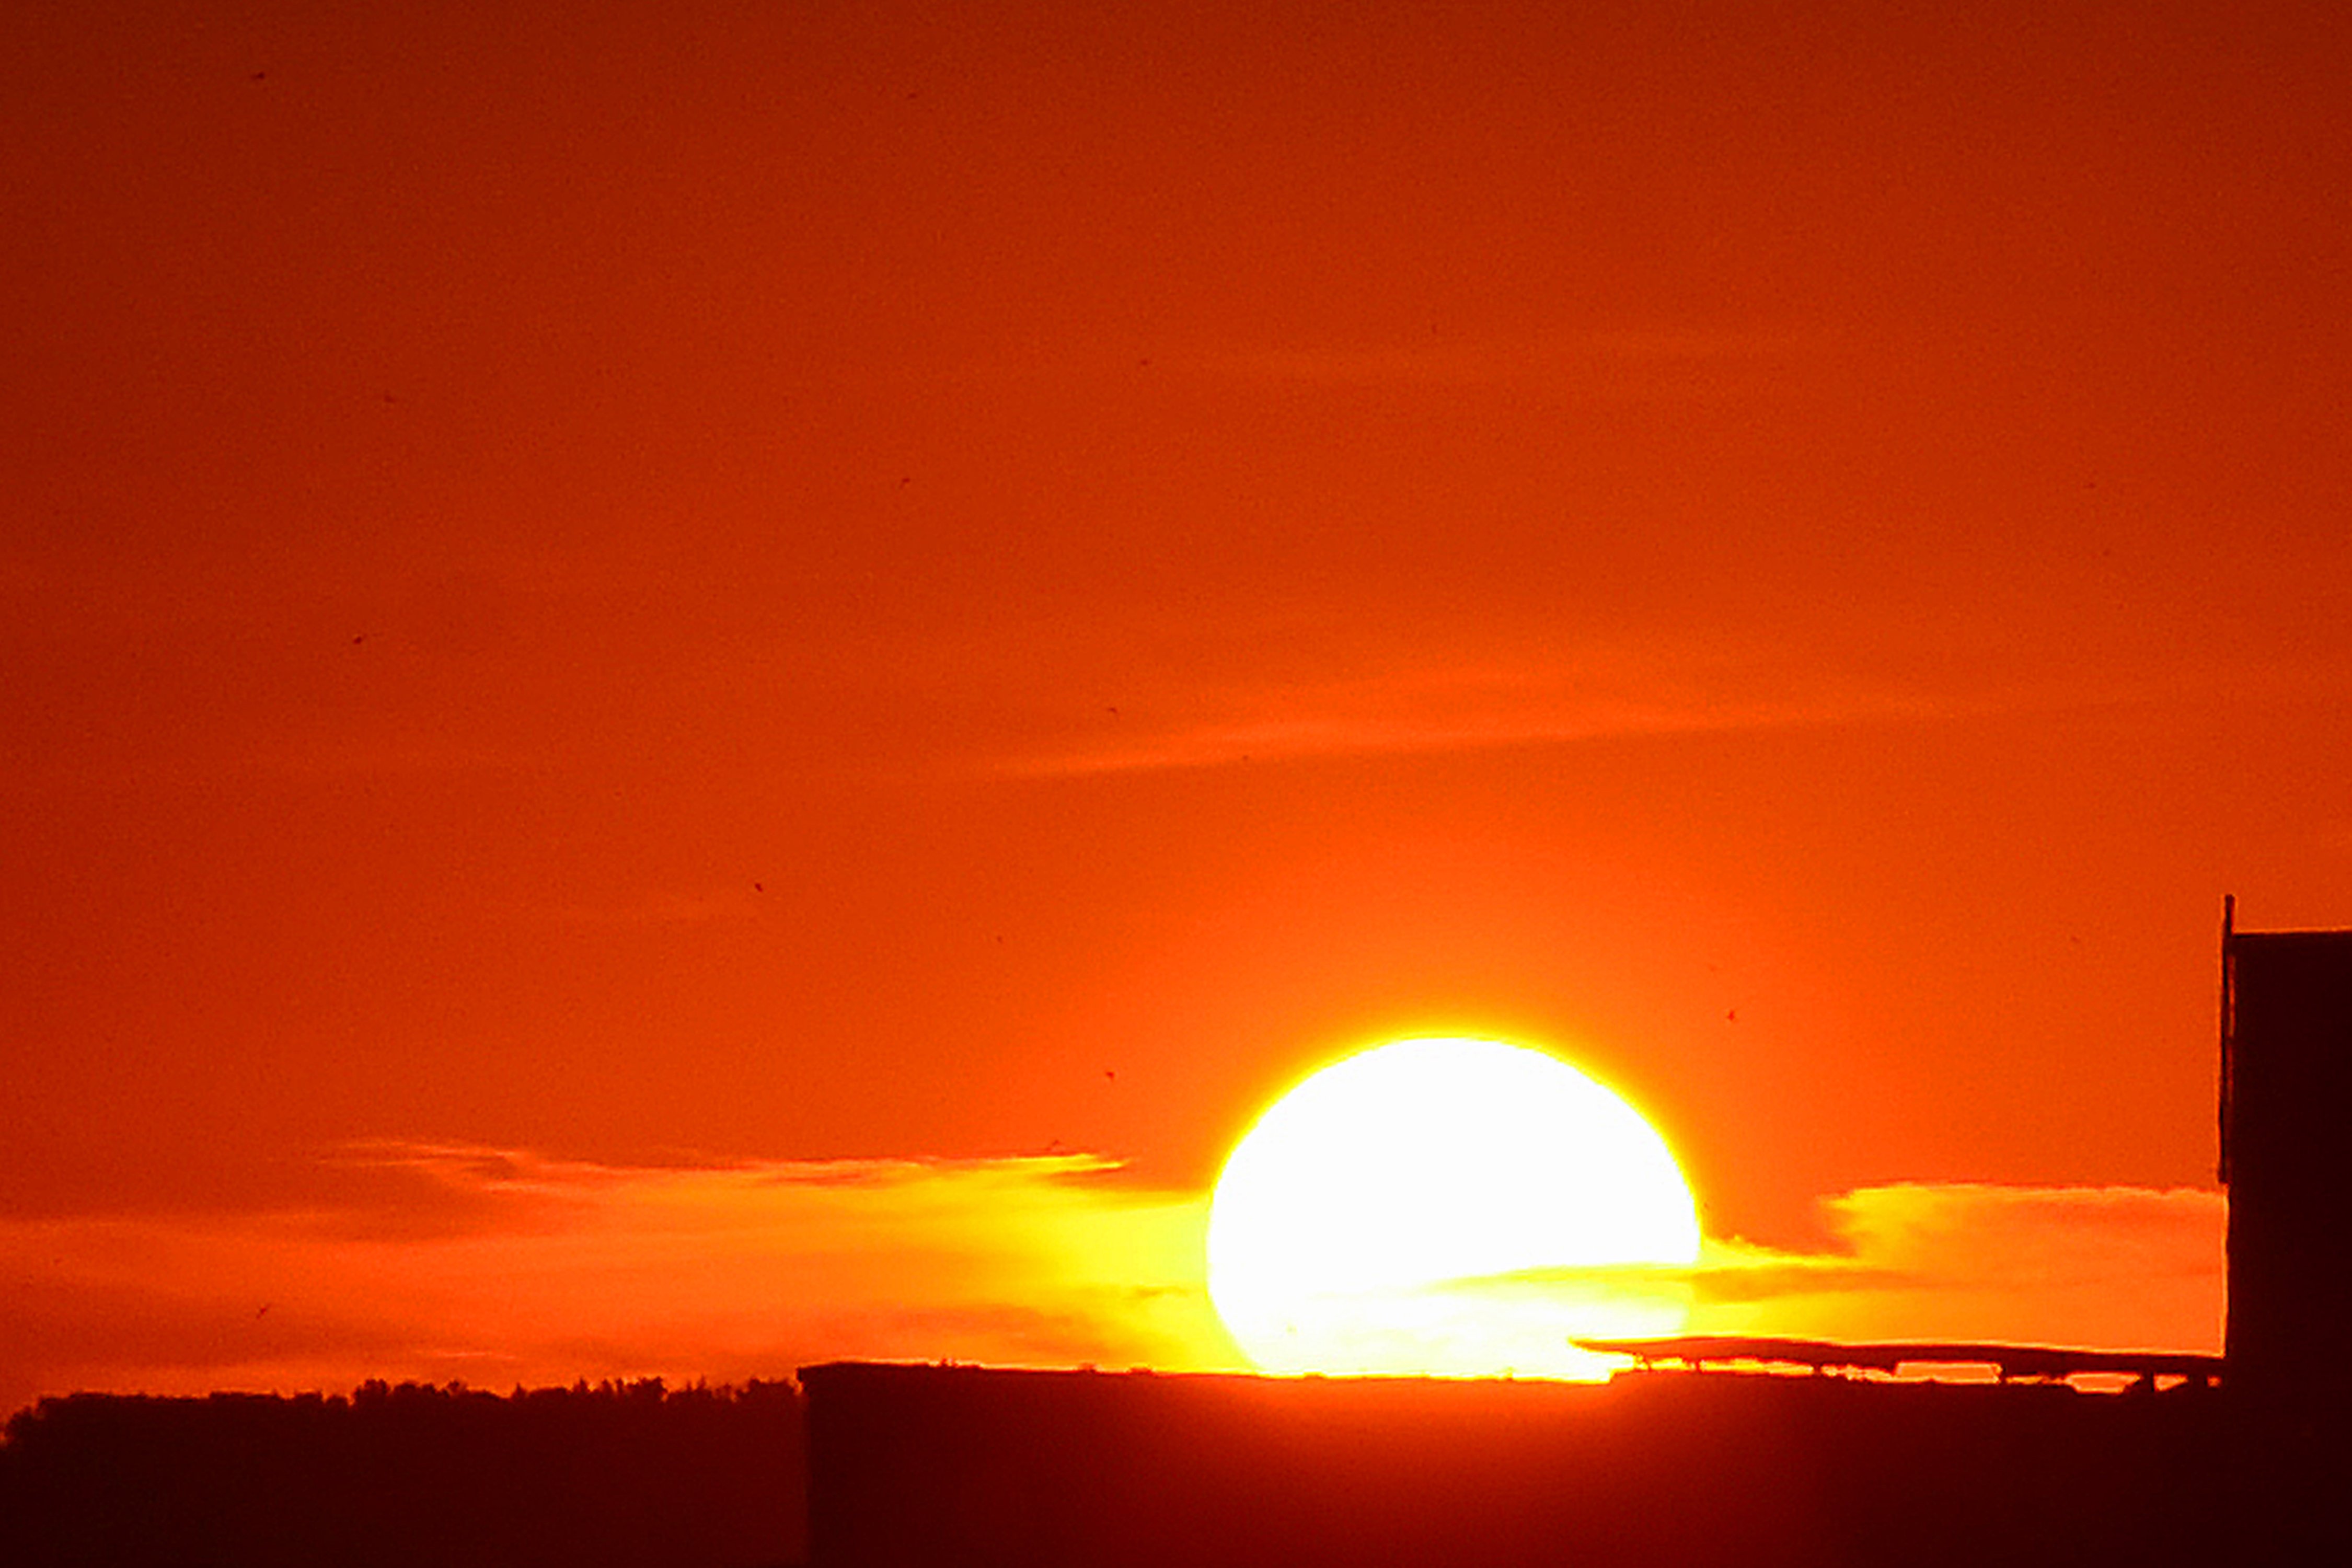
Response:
column 1461, row 1207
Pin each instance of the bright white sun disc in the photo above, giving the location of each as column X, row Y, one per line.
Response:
column 1452, row 1207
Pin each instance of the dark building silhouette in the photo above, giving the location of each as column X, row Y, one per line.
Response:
column 986, row 1468
column 2286, row 1158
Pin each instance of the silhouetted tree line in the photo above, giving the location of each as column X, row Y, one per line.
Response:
column 633, row 1474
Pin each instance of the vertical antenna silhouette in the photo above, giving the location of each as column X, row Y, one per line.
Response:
column 2229, row 1023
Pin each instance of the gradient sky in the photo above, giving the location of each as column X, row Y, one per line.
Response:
column 870, row 596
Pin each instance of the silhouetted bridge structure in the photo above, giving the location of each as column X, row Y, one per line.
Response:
column 2008, row 1362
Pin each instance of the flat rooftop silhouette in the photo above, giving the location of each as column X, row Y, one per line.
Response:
column 989, row 1466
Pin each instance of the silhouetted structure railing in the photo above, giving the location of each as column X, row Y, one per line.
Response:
column 2007, row 1361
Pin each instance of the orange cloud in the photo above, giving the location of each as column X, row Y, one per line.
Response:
column 501, row 1266
column 517, row 1268
column 2104, row 1268
column 1470, row 707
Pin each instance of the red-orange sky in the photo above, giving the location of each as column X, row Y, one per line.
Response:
column 733, row 586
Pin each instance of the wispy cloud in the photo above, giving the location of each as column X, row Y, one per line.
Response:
column 524, row 1269
column 543, row 1270
column 2096, row 1267
column 1467, row 707
column 2108, row 1267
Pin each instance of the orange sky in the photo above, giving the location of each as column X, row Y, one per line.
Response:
column 739, row 588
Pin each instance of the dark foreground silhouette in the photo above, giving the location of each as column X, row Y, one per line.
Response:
column 963, row 1465
column 409, row 1477
column 977, row 1467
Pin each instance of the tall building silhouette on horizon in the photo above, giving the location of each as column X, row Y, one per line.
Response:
column 2286, row 1159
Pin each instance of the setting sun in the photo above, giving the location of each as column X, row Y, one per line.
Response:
column 1452, row 1207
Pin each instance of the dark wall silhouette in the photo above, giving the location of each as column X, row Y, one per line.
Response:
column 967, row 1466
column 2286, row 1121
column 2287, row 1102
column 409, row 1477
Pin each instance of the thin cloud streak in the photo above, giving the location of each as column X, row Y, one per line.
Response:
column 1467, row 709
column 538, row 1270
column 545, row 1270
column 2100, row 1267
column 1600, row 693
